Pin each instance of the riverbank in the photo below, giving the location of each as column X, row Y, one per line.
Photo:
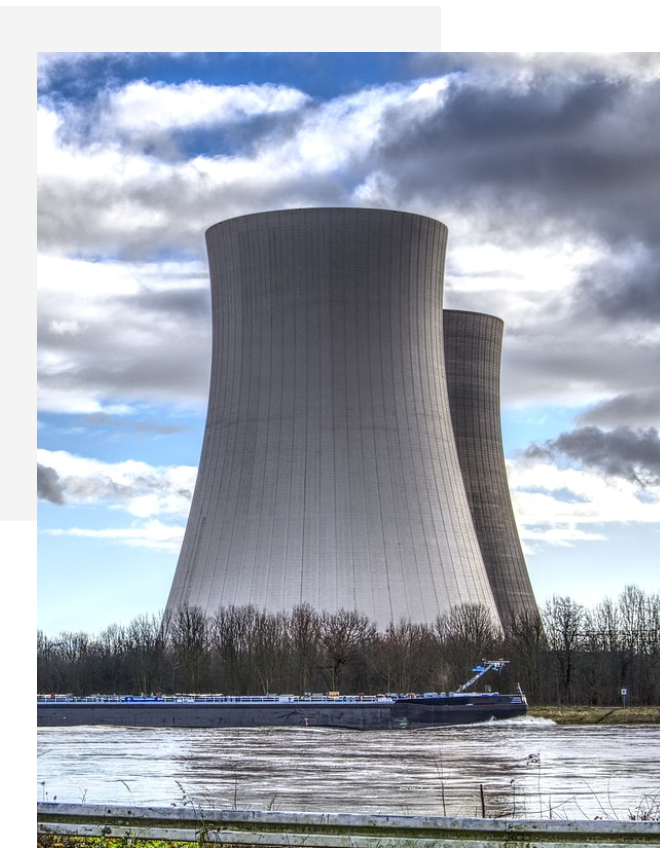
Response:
column 598, row 715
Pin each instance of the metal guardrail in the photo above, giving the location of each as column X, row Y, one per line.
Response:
column 330, row 830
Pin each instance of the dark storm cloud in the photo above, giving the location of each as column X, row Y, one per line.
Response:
column 622, row 452
column 520, row 66
column 631, row 292
column 181, row 304
column 49, row 487
column 580, row 151
column 553, row 158
column 642, row 409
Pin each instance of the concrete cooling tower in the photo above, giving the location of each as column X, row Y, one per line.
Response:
column 473, row 349
column 329, row 472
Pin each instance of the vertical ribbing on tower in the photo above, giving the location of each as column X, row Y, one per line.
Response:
column 329, row 472
column 473, row 348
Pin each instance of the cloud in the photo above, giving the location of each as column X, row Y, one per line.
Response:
column 49, row 62
column 641, row 409
column 545, row 167
column 139, row 110
column 531, row 151
column 560, row 536
column 154, row 535
column 624, row 288
column 108, row 330
column 128, row 201
column 133, row 487
column 631, row 454
column 532, row 156
column 519, row 67
column 557, row 505
column 82, row 73
column 48, row 485
column 570, row 488
column 101, row 420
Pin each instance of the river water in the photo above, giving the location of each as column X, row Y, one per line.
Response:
column 527, row 767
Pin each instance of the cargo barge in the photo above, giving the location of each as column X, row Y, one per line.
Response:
column 355, row 712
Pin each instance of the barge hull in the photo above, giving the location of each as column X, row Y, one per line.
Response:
column 352, row 716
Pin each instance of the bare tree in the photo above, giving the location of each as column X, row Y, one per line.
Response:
column 591, row 654
column 231, row 628
column 402, row 656
column 113, row 648
column 344, row 636
column 49, row 672
column 74, row 650
column 639, row 640
column 190, row 642
column 527, row 644
column 467, row 634
column 146, row 637
column 564, row 621
column 270, row 649
column 652, row 675
column 304, row 636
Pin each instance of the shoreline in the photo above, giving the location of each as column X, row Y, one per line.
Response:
column 597, row 715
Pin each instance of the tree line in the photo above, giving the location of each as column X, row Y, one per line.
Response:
column 569, row 654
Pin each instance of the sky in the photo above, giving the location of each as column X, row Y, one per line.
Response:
column 545, row 167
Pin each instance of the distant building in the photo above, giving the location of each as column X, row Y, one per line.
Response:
column 329, row 472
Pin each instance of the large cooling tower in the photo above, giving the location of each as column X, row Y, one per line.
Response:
column 329, row 472
column 473, row 348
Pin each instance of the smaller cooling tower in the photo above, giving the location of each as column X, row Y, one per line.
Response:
column 473, row 347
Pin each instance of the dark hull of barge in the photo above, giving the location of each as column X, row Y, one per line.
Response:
column 402, row 714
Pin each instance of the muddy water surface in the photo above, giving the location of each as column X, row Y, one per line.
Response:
column 527, row 768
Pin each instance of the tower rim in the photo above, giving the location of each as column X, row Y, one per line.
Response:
column 360, row 210
column 473, row 312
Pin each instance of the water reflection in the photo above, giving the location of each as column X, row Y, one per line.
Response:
column 527, row 767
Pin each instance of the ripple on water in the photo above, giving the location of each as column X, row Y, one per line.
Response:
column 527, row 766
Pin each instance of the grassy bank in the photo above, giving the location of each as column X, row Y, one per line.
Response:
column 110, row 842
column 598, row 715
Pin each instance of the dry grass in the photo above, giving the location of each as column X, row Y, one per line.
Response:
column 48, row 841
column 598, row 715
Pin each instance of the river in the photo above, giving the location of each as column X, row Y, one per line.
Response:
column 528, row 767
